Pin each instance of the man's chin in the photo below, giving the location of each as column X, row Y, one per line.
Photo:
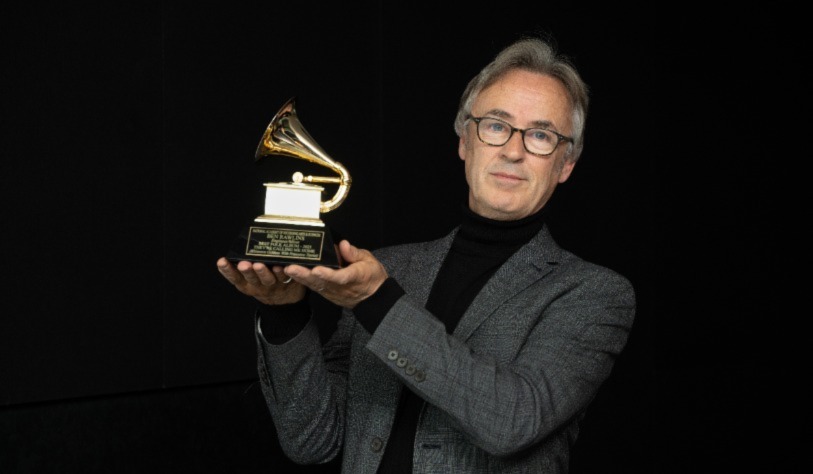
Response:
column 502, row 213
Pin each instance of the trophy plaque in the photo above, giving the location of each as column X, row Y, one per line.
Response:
column 290, row 230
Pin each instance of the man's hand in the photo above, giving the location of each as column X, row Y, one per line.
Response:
column 361, row 276
column 267, row 286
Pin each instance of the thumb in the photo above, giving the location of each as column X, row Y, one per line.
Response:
column 350, row 253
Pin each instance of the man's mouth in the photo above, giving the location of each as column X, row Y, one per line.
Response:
column 508, row 177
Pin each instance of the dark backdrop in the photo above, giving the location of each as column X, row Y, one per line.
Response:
column 128, row 135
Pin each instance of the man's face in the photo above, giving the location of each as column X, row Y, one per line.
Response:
column 507, row 182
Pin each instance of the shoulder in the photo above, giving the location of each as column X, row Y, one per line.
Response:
column 576, row 276
column 587, row 277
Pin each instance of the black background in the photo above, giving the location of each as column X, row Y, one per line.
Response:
column 129, row 130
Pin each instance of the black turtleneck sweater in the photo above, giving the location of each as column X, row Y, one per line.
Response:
column 479, row 248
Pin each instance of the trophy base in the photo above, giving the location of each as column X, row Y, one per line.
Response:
column 275, row 243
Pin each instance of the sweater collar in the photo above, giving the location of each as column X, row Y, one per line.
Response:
column 477, row 229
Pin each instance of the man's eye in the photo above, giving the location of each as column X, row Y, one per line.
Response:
column 541, row 135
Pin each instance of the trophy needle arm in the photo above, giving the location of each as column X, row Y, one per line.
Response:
column 298, row 178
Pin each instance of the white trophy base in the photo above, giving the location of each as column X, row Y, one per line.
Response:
column 292, row 203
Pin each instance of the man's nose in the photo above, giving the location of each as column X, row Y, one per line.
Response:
column 514, row 148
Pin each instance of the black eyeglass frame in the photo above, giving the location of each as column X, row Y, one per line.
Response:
column 560, row 137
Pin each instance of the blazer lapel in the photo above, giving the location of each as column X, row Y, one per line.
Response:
column 530, row 263
column 424, row 267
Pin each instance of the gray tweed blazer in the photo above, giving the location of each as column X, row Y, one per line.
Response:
column 505, row 392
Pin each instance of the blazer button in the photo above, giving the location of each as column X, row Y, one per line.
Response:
column 376, row 444
column 420, row 376
column 392, row 355
column 402, row 362
column 410, row 369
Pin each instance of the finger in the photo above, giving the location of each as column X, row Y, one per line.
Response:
column 324, row 276
column 298, row 272
column 228, row 271
column 348, row 252
column 280, row 276
column 224, row 266
column 310, row 277
column 265, row 276
column 246, row 269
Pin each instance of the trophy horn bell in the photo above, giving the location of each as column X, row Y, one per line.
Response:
column 286, row 136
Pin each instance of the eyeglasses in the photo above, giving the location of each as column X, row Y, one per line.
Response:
column 537, row 141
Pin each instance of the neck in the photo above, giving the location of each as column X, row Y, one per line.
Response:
column 476, row 228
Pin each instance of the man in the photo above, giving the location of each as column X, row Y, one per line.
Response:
column 477, row 352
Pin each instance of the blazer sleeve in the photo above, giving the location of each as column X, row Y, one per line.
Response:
column 304, row 386
column 578, row 322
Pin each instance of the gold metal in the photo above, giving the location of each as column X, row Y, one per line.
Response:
column 270, row 218
column 286, row 136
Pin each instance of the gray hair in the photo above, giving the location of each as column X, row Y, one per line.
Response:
column 534, row 55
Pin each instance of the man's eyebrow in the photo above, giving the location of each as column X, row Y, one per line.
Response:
column 546, row 124
column 500, row 113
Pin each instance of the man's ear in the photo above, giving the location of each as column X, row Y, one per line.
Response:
column 461, row 149
column 567, row 168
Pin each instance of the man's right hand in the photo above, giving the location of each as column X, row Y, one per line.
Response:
column 255, row 279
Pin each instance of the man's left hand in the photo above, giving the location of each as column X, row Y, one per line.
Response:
column 361, row 276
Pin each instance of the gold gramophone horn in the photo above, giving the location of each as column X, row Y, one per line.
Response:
column 286, row 136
